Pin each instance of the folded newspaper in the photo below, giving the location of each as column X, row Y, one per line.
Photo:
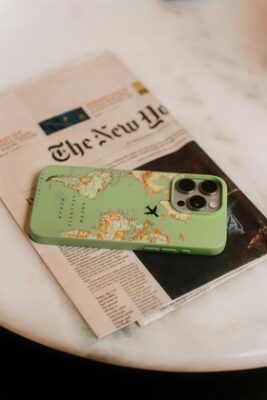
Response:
column 97, row 113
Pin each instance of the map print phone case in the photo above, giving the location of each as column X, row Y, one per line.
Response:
column 130, row 210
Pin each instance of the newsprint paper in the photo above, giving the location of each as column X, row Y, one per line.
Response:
column 97, row 113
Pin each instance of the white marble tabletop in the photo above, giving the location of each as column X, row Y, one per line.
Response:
column 207, row 62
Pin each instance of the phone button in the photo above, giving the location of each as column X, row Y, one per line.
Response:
column 150, row 248
column 185, row 251
column 169, row 250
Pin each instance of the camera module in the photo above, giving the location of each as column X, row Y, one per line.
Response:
column 197, row 203
column 208, row 187
column 185, row 185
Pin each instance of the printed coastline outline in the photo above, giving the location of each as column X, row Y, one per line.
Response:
column 113, row 225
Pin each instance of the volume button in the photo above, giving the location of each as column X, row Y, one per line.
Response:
column 150, row 248
column 185, row 251
column 169, row 250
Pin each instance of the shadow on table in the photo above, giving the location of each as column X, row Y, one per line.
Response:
column 30, row 370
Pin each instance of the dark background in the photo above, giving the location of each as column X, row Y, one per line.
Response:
column 195, row 271
column 33, row 371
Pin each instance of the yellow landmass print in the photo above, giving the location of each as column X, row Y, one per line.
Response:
column 150, row 180
column 89, row 185
column 114, row 226
column 173, row 213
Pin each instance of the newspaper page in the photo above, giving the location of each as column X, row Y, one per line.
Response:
column 93, row 113
column 96, row 113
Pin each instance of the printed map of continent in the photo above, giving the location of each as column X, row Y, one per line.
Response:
column 185, row 217
column 114, row 226
column 89, row 185
column 151, row 180
column 93, row 183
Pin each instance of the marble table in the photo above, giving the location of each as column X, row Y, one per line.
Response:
column 207, row 62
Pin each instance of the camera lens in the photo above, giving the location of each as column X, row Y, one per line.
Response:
column 209, row 187
column 196, row 202
column 180, row 203
column 185, row 185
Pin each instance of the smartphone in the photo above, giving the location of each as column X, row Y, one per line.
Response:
column 130, row 210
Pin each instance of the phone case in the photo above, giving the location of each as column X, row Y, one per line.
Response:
column 122, row 209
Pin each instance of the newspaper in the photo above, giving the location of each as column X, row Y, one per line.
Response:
column 96, row 113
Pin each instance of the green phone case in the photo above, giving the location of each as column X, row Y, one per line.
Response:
column 122, row 209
